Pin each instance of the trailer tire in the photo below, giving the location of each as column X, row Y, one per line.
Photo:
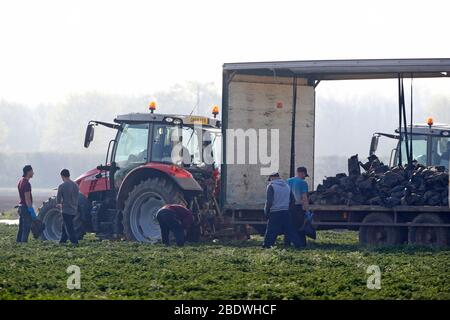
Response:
column 379, row 235
column 142, row 204
column 428, row 235
column 51, row 216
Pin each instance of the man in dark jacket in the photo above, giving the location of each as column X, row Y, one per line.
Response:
column 26, row 211
column 278, row 203
column 175, row 218
column 67, row 201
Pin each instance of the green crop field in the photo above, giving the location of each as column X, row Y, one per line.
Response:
column 332, row 267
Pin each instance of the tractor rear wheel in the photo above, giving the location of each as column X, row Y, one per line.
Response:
column 143, row 202
column 379, row 235
column 51, row 216
column 428, row 236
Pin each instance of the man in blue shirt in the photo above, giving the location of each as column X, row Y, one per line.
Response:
column 299, row 188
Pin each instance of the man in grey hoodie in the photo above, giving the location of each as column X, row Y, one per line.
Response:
column 279, row 200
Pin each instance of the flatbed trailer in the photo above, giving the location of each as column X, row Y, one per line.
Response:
column 339, row 216
column 377, row 225
column 421, row 225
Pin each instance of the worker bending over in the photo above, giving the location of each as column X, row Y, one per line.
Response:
column 175, row 218
column 278, row 203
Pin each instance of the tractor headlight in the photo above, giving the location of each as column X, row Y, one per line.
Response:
column 168, row 119
column 177, row 121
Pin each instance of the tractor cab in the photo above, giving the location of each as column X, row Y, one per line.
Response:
column 173, row 139
column 430, row 144
column 154, row 159
column 186, row 141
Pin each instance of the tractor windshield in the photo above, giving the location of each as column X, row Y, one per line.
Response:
column 182, row 145
column 429, row 150
column 419, row 143
column 132, row 145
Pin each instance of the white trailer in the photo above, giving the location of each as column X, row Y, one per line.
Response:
column 257, row 103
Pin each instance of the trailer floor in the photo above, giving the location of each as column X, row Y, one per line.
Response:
column 333, row 267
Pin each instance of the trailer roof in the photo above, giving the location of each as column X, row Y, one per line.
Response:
column 345, row 69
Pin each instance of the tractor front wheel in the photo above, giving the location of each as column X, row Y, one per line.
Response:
column 51, row 216
column 143, row 202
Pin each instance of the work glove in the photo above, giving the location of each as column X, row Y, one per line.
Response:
column 309, row 216
column 32, row 213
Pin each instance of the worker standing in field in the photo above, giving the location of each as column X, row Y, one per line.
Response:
column 299, row 188
column 177, row 219
column 278, row 203
column 67, row 202
column 26, row 211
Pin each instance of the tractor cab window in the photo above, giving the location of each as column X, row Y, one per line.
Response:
column 165, row 137
column 440, row 151
column 132, row 145
column 183, row 145
column 212, row 142
column 174, row 144
column 190, row 138
column 419, row 144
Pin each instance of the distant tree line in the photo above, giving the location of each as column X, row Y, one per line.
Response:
column 51, row 136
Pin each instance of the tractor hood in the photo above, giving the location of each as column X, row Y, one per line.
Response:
column 88, row 174
column 88, row 182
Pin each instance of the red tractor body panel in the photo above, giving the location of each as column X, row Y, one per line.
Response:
column 88, row 182
column 169, row 169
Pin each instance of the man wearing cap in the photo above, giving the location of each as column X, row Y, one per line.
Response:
column 26, row 211
column 299, row 188
column 278, row 202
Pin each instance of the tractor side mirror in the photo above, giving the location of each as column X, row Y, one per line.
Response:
column 374, row 144
column 89, row 136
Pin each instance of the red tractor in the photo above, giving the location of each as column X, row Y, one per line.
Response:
column 154, row 159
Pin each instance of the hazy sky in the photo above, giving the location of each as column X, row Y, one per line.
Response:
column 50, row 49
